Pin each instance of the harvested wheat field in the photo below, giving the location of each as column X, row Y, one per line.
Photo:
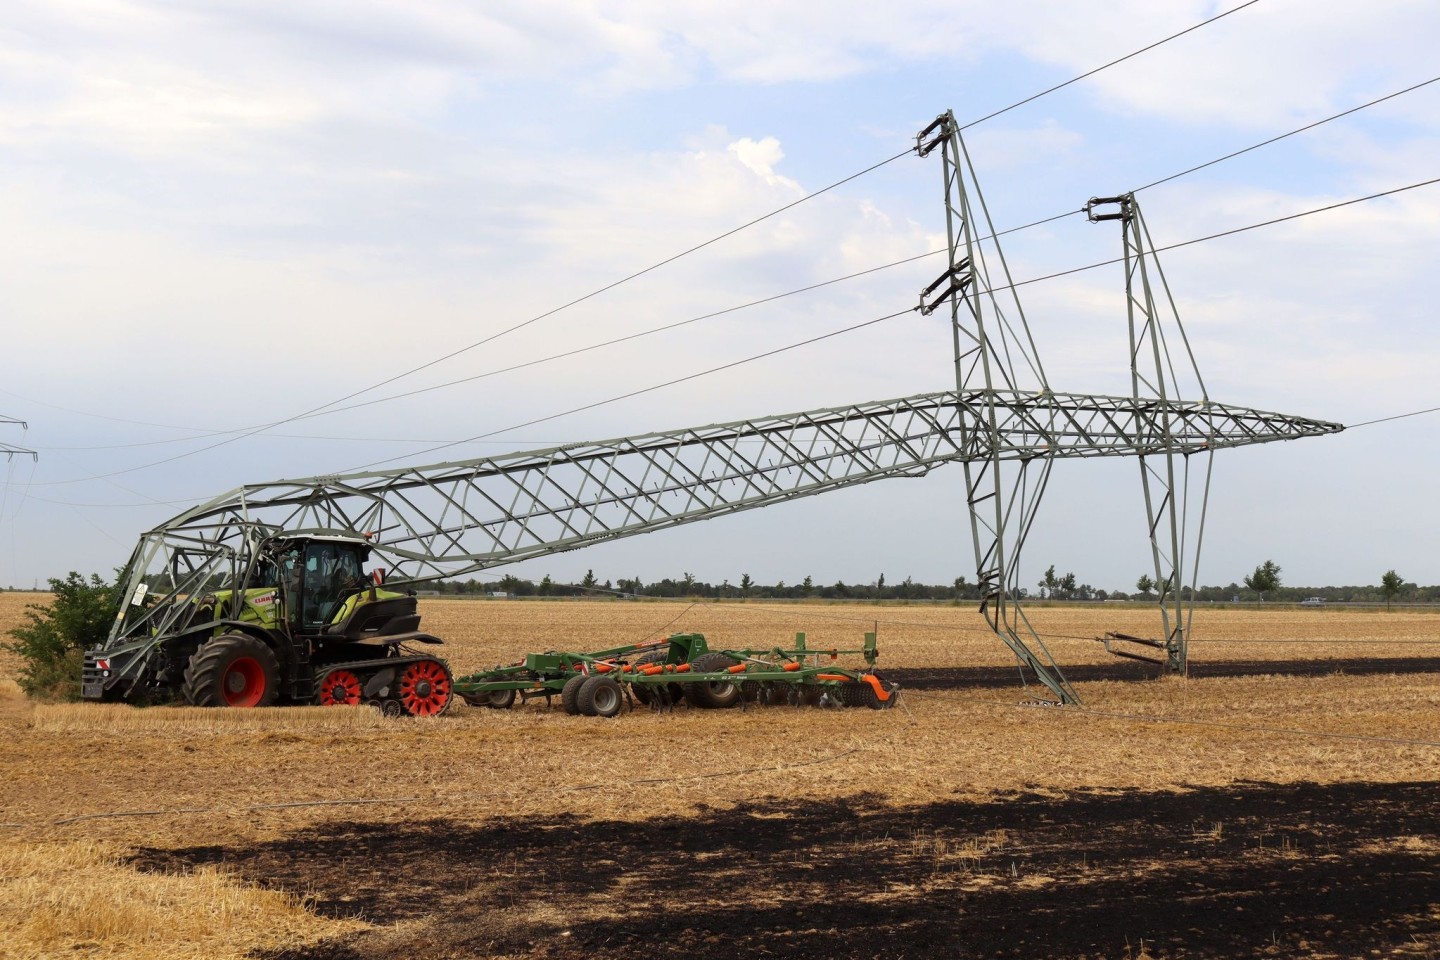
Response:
column 1278, row 803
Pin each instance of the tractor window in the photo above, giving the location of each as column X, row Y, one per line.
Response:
column 331, row 570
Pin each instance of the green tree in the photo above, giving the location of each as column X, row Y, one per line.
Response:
column 689, row 582
column 808, row 586
column 52, row 641
column 1049, row 583
column 1390, row 585
column 1265, row 579
column 1144, row 584
column 589, row 582
column 745, row 584
column 547, row 586
column 1067, row 586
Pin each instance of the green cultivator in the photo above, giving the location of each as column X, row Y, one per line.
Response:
column 662, row 673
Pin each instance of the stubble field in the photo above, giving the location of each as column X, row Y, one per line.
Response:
column 1249, row 810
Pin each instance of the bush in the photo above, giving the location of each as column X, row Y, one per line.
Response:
column 53, row 640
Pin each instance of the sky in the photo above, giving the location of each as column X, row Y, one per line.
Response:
column 224, row 214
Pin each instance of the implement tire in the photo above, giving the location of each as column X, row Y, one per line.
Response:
column 570, row 692
column 713, row 694
column 232, row 670
column 600, row 696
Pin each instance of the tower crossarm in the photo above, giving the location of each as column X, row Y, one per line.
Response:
column 1088, row 425
column 450, row 518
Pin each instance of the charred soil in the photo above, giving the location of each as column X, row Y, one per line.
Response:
column 1248, row 870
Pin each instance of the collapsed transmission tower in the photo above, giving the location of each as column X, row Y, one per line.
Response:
column 1002, row 422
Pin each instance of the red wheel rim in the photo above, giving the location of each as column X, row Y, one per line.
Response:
column 243, row 683
column 425, row 688
column 340, row 688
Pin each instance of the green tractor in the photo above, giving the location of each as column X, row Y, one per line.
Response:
column 293, row 619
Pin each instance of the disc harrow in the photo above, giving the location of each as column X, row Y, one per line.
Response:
column 684, row 668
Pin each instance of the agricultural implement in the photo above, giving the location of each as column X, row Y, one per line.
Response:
column 683, row 667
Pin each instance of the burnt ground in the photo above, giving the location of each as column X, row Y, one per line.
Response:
column 1249, row 870
column 959, row 678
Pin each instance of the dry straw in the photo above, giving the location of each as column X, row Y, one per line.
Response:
column 79, row 897
column 111, row 718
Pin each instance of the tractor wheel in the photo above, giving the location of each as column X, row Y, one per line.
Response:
column 425, row 688
column 713, row 694
column 570, row 692
column 233, row 670
column 600, row 696
column 340, row 687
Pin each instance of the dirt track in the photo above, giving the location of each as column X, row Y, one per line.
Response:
column 1254, row 869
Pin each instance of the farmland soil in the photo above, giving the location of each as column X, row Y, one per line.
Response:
column 1276, row 804
column 1249, row 870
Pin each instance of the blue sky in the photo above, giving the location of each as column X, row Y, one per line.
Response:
column 223, row 214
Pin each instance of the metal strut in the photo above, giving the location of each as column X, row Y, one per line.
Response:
column 994, row 356
column 1162, row 371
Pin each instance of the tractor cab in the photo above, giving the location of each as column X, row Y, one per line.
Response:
column 329, row 594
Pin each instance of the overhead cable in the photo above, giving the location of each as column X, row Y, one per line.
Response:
column 1091, row 73
column 635, row 393
column 1018, row 283
column 247, row 432
column 201, row 433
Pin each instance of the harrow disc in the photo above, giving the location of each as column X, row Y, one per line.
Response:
column 643, row 693
column 339, row 688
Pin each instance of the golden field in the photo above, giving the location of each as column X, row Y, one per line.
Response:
column 184, row 828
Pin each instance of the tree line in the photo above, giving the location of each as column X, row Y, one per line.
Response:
column 1263, row 584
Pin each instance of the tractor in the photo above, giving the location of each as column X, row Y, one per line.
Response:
column 294, row 619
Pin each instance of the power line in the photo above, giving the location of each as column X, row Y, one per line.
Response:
column 1021, row 283
column 644, row 390
column 1398, row 416
column 1226, row 233
column 1266, row 143
column 885, row 266
column 717, row 369
column 331, row 409
column 1091, row 73
column 700, row 246
column 325, row 409
column 248, row 432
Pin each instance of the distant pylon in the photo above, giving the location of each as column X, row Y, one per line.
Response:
column 10, row 450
